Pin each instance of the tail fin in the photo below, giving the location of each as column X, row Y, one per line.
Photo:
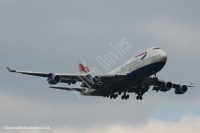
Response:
column 83, row 67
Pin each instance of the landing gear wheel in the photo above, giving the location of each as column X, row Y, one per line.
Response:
column 127, row 96
column 138, row 97
column 115, row 96
column 107, row 95
column 122, row 97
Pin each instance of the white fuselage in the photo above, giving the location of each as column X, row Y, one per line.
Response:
column 153, row 55
column 146, row 58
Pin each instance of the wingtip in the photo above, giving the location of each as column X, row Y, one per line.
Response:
column 10, row 70
column 51, row 87
column 192, row 84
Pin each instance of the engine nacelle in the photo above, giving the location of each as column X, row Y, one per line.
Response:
column 165, row 86
column 54, row 79
column 91, row 79
column 96, row 79
column 181, row 89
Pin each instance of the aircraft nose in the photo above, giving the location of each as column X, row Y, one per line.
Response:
column 163, row 56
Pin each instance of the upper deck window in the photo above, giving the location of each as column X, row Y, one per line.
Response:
column 156, row 48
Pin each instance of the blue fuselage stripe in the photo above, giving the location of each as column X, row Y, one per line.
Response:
column 146, row 71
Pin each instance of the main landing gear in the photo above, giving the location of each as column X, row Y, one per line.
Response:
column 139, row 97
column 125, row 96
column 113, row 96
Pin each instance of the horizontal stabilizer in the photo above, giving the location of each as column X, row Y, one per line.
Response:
column 68, row 88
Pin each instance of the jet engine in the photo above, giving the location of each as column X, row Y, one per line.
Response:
column 165, row 86
column 181, row 89
column 90, row 80
column 96, row 79
column 54, row 79
column 93, row 79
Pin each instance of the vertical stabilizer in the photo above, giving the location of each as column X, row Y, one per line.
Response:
column 83, row 67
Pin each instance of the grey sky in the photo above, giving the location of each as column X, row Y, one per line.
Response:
column 53, row 36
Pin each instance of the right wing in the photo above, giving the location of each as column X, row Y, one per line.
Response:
column 175, row 85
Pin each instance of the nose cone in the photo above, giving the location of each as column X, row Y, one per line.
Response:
column 163, row 56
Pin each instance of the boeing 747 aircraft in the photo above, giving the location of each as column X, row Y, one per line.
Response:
column 137, row 75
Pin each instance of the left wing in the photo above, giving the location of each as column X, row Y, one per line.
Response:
column 73, row 78
column 40, row 74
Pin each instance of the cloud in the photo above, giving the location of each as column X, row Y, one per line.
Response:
column 83, row 113
column 53, row 36
column 26, row 111
column 188, row 123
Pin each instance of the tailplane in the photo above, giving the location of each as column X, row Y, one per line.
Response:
column 83, row 67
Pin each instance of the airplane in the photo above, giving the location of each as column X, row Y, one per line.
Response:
column 136, row 75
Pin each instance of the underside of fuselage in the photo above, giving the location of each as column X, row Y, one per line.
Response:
column 145, row 71
column 135, row 77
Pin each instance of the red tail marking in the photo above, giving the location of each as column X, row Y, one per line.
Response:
column 84, row 69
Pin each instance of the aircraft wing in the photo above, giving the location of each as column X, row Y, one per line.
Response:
column 40, row 74
column 67, row 78
column 150, row 81
column 188, row 85
column 175, row 85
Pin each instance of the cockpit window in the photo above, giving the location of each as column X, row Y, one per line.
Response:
column 156, row 48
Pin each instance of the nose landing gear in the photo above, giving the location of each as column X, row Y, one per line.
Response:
column 155, row 78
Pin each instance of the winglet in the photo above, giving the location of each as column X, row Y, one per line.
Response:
column 10, row 70
column 192, row 84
